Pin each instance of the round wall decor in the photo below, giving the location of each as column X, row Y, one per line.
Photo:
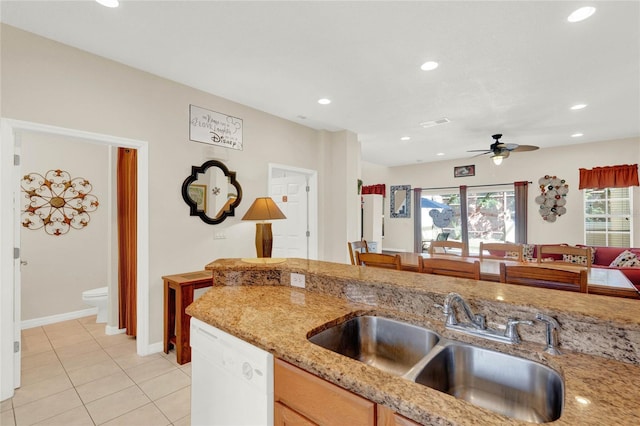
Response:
column 552, row 198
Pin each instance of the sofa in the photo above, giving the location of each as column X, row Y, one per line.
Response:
column 605, row 255
column 602, row 259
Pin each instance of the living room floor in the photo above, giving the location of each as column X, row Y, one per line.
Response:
column 72, row 373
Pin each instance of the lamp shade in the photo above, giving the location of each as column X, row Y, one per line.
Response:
column 263, row 208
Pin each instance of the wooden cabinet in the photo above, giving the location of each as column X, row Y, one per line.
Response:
column 388, row 417
column 285, row 416
column 304, row 399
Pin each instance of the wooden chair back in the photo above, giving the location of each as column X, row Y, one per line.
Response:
column 510, row 251
column 564, row 249
column 451, row 267
column 379, row 260
column 538, row 276
column 357, row 246
column 440, row 247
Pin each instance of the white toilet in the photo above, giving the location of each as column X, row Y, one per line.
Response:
column 97, row 297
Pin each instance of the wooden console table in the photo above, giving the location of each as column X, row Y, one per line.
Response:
column 178, row 294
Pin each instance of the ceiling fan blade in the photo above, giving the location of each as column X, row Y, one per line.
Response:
column 486, row 151
column 482, row 153
column 523, row 148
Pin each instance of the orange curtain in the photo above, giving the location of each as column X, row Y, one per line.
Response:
column 127, row 242
column 609, row 177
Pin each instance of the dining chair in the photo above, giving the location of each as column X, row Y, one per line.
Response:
column 509, row 251
column 546, row 250
column 441, row 247
column 379, row 260
column 357, row 246
column 539, row 276
column 450, row 267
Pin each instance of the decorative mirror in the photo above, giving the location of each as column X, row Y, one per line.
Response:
column 212, row 192
column 400, row 201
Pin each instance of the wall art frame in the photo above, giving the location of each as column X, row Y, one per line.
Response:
column 400, row 201
column 215, row 128
column 464, row 171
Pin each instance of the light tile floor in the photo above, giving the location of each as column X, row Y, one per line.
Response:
column 74, row 374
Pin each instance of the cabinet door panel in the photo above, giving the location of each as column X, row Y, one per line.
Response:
column 284, row 416
column 318, row 400
column 388, row 417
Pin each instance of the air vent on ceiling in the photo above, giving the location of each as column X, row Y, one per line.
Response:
column 443, row 120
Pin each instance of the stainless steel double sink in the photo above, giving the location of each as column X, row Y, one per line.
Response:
column 507, row 384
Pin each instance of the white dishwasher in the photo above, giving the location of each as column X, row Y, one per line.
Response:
column 231, row 380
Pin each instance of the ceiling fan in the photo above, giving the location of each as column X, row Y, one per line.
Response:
column 499, row 151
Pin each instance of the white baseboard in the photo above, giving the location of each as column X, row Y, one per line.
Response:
column 110, row 330
column 153, row 348
column 52, row 319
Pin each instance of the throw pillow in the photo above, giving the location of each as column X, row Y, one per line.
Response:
column 578, row 259
column 527, row 251
column 625, row 259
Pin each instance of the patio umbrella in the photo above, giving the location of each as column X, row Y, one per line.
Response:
column 426, row 203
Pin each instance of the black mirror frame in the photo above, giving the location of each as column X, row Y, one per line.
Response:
column 193, row 208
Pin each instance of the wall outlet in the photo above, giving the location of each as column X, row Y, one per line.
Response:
column 219, row 236
column 297, row 280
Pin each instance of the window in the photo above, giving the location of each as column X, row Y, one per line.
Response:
column 607, row 216
column 490, row 217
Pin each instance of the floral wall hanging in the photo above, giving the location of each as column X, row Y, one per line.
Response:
column 56, row 202
column 552, row 198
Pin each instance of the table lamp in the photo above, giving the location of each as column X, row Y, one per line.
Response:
column 263, row 208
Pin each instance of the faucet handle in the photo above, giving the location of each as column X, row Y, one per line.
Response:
column 552, row 333
column 512, row 329
column 481, row 321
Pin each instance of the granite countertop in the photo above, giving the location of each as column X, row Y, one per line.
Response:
column 278, row 318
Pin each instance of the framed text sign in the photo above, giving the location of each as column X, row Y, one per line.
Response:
column 214, row 128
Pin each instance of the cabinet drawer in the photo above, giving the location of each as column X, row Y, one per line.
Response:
column 318, row 400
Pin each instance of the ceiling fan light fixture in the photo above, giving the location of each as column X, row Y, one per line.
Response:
column 497, row 159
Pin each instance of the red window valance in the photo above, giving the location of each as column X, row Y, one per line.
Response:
column 609, row 177
column 374, row 189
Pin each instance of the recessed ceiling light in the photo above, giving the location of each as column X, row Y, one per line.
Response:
column 405, row 138
column 440, row 154
column 577, row 135
column 109, row 3
column 581, row 14
column 578, row 106
column 428, row 66
column 324, row 101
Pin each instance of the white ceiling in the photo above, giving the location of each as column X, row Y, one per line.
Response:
column 511, row 67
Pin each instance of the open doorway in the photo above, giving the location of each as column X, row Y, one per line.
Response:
column 10, row 241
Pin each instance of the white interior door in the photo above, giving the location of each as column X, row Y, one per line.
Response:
column 291, row 236
column 17, row 273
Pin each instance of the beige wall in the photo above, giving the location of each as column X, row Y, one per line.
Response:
column 47, row 82
column 61, row 267
column 563, row 162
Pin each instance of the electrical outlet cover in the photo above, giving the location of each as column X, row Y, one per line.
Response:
column 297, row 280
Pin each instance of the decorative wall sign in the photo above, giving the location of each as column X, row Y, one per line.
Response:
column 464, row 171
column 56, row 202
column 215, row 128
column 552, row 198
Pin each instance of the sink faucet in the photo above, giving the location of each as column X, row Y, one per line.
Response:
column 477, row 321
column 552, row 333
